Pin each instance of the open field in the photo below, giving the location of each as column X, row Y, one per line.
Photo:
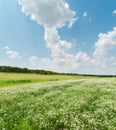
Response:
column 77, row 104
column 9, row 79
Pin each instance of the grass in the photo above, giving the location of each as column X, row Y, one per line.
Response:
column 81, row 104
column 9, row 79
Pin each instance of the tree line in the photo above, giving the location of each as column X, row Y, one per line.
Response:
column 10, row 69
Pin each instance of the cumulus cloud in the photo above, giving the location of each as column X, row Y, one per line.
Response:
column 49, row 13
column 103, row 62
column 54, row 42
column 114, row 12
column 12, row 54
column 33, row 59
column 105, row 43
column 54, row 14
column 85, row 14
column 7, row 48
column 81, row 62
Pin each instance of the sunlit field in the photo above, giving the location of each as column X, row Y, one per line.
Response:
column 76, row 104
column 9, row 79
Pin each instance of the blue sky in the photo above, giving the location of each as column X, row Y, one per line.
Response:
column 63, row 36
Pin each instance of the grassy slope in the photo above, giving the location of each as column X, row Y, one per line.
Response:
column 9, row 79
column 82, row 104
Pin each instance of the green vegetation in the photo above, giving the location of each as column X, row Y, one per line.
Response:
column 82, row 104
column 11, row 69
column 9, row 79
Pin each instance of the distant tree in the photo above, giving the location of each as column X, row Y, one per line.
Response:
column 24, row 70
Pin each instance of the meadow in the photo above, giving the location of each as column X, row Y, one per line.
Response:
column 73, row 103
column 10, row 79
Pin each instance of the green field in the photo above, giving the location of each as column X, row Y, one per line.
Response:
column 76, row 103
column 9, row 79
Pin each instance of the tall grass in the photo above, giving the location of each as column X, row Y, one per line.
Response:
column 83, row 104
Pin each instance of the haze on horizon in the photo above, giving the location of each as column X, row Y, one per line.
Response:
column 62, row 36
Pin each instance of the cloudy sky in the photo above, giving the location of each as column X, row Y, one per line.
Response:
column 77, row 36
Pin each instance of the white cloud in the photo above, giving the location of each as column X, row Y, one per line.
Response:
column 103, row 61
column 54, row 14
column 33, row 59
column 12, row 54
column 72, row 22
column 114, row 12
column 55, row 43
column 100, row 63
column 85, row 14
column 49, row 13
column 7, row 48
column 105, row 43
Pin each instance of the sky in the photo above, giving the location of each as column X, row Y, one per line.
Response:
column 72, row 36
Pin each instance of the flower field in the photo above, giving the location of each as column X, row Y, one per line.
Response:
column 76, row 104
